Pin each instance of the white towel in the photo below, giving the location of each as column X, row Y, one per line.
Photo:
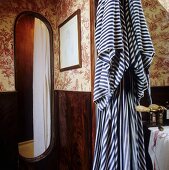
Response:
column 159, row 148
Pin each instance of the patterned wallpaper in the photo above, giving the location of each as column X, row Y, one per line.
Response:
column 56, row 11
column 76, row 79
column 8, row 12
column 157, row 16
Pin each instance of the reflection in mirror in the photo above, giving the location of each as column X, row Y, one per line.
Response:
column 33, row 84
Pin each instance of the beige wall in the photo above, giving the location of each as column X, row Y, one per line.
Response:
column 56, row 12
column 77, row 79
column 157, row 16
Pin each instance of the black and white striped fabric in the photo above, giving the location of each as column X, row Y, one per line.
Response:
column 125, row 52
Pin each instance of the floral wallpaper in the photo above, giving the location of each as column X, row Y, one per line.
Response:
column 8, row 12
column 56, row 11
column 76, row 79
column 157, row 16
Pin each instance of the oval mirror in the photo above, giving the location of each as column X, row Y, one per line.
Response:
column 34, row 83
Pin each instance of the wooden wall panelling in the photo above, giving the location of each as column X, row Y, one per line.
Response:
column 73, row 131
column 159, row 96
column 74, row 126
column 8, row 131
column 50, row 161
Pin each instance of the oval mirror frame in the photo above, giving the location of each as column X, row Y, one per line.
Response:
column 49, row 27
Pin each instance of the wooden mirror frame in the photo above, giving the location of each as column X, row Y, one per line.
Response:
column 49, row 27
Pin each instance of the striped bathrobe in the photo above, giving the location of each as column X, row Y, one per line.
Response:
column 125, row 52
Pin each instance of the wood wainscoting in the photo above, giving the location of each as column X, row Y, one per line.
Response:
column 160, row 95
column 8, row 131
column 75, row 130
column 72, row 148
